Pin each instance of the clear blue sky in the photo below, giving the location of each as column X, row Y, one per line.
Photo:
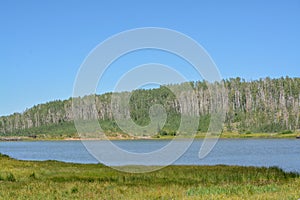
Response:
column 43, row 43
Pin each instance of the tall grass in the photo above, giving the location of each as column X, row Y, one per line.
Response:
column 58, row 180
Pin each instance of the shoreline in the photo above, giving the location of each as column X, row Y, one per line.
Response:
column 126, row 137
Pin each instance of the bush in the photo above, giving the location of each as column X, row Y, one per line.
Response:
column 163, row 132
column 32, row 175
column 74, row 190
column 286, row 132
column 10, row 177
column 3, row 156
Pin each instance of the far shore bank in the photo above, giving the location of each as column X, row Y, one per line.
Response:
column 227, row 135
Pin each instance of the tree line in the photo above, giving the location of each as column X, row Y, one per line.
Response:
column 264, row 105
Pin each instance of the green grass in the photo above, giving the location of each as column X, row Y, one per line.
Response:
column 58, row 180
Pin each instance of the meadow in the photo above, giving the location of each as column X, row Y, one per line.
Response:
column 58, row 180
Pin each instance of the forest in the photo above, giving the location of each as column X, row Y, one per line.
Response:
column 266, row 105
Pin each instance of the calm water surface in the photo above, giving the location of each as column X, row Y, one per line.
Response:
column 284, row 153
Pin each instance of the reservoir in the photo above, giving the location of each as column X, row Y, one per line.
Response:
column 284, row 153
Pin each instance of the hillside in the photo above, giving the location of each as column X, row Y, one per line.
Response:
column 265, row 105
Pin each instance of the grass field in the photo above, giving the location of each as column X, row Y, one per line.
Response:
column 58, row 180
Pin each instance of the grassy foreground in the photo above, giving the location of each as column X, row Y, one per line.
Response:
column 58, row 180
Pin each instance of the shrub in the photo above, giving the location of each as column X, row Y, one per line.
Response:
column 287, row 132
column 74, row 190
column 3, row 156
column 10, row 177
column 32, row 175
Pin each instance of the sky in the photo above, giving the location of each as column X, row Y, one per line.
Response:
column 44, row 43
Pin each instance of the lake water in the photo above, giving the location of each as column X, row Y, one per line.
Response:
column 284, row 153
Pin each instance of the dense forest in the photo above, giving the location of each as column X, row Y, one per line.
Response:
column 265, row 105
